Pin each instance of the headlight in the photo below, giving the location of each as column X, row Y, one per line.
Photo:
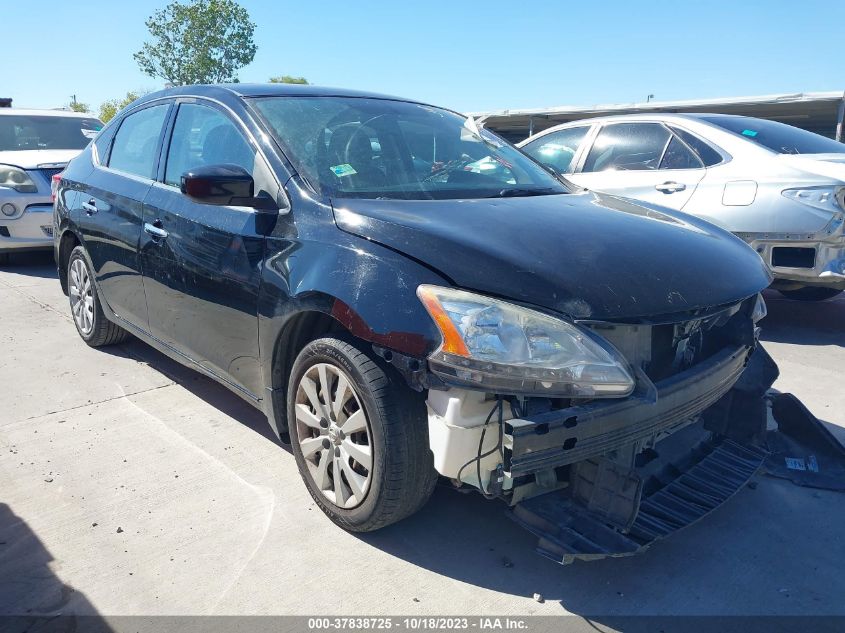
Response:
column 506, row 348
column 17, row 179
column 824, row 198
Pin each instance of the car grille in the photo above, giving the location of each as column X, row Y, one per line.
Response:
column 661, row 351
column 49, row 172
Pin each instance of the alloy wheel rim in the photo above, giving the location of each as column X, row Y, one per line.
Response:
column 334, row 435
column 81, row 297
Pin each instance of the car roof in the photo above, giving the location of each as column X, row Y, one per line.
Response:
column 36, row 112
column 267, row 90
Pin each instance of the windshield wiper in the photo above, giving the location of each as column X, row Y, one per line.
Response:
column 517, row 192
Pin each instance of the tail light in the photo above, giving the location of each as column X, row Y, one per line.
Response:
column 54, row 185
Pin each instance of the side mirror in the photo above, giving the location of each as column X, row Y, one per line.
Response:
column 224, row 185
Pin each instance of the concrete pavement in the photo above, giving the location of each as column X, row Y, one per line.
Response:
column 130, row 485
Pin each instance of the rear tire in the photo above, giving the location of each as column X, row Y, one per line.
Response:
column 810, row 293
column 88, row 317
column 348, row 413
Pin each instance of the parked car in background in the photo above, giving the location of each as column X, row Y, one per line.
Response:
column 35, row 145
column 779, row 188
column 407, row 296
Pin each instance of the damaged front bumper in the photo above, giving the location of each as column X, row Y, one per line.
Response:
column 618, row 502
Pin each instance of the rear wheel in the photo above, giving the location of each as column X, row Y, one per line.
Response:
column 359, row 435
column 810, row 293
column 92, row 325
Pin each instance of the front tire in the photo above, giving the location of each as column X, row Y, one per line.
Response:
column 93, row 326
column 359, row 435
column 810, row 293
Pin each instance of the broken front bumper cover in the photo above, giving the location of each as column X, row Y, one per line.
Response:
column 571, row 435
column 608, row 509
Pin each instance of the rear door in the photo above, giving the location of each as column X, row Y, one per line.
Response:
column 111, row 209
column 641, row 160
column 202, row 263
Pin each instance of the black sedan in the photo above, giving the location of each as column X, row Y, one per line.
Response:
column 407, row 296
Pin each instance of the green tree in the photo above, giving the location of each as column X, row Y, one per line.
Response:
column 289, row 79
column 78, row 106
column 198, row 42
column 109, row 108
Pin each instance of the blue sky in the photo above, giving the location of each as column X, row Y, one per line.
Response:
column 470, row 56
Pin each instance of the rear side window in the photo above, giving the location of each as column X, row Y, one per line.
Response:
column 707, row 154
column 628, row 147
column 558, row 149
column 205, row 136
column 135, row 145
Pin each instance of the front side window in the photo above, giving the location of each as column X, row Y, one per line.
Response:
column 628, row 147
column 24, row 132
column 135, row 146
column 557, row 149
column 205, row 136
column 380, row 148
column 778, row 137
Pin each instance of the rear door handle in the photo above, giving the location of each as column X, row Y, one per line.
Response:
column 90, row 207
column 670, row 187
column 155, row 230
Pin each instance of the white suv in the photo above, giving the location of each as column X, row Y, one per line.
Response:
column 35, row 145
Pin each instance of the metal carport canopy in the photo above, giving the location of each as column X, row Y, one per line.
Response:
column 820, row 112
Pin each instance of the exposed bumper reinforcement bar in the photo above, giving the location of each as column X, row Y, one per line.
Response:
column 571, row 435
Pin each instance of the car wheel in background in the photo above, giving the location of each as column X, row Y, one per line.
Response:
column 92, row 325
column 810, row 293
column 359, row 435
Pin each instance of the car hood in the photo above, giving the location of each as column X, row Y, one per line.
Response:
column 585, row 255
column 34, row 158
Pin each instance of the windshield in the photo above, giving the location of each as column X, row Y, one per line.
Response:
column 377, row 148
column 778, row 137
column 24, row 131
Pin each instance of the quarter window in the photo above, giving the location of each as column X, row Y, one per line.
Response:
column 679, row 156
column 558, row 149
column 628, row 147
column 205, row 136
column 707, row 154
column 135, row 146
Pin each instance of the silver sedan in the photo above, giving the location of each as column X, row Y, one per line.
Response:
column 779, row 188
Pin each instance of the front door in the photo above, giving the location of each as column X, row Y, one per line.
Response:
column 644, row 161
column 202, row 263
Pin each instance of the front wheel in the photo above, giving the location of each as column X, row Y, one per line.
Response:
column 92, row 325
column 359, row 435
column 810, row 293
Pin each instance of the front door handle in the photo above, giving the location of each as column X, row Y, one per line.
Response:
column 90, row 207
column 155, row 230
column 670, row 187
